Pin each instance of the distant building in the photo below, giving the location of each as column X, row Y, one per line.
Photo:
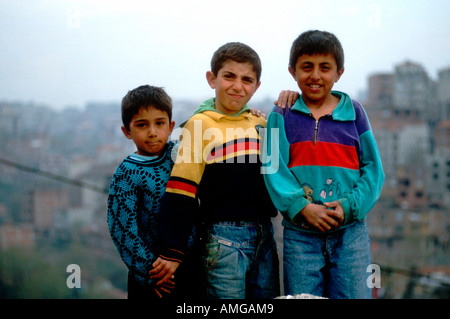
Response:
column 16, row 236
column 438, row 178
column 411, row 88
column 9, row 119
column 401, row 144
column 411, row 192
column 444, row 84
column 41, row 205
column 442, row 134
column 380, row 93
column 410, row 118
column 443, row 89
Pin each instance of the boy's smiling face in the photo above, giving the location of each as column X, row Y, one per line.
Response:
column 149, row 130
column 315, row 76
column 234, row 84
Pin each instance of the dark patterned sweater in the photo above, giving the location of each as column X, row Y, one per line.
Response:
column 133, row 205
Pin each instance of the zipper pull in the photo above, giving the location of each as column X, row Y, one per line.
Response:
column 315, row 131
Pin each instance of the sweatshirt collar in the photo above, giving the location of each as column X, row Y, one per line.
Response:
column 208, row 105
column 344, row 111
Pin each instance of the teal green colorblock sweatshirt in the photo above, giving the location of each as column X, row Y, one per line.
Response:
column 318, row 161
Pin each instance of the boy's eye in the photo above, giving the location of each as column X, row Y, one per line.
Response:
column 248, row 80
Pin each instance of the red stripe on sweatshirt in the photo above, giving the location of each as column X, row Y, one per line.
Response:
column 323, row 154
column 182, row 186
column 231, row 149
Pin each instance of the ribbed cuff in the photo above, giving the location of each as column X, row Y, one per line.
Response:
column 172, row 255
column 345, row 204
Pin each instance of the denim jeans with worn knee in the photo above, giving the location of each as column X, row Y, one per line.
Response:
column 241, row 261
column 332, row 265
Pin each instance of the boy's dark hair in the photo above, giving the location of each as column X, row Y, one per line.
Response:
column 145, row 96
column 316, row 42
column 238, row 52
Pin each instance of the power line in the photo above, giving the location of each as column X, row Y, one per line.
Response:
column 59, row 178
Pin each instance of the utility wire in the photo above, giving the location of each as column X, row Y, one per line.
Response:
column 55, row 177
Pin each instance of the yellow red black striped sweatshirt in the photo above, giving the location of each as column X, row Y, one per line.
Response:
column 216, row 176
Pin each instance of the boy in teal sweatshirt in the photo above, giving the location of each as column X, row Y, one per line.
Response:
column 329, row 175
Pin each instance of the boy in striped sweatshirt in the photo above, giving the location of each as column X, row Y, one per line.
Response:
column 217, row 182
column 329, row 175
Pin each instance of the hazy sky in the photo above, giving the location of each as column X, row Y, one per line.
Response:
column 63, row 53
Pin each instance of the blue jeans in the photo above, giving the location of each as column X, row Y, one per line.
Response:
column 331, row 265
column 241, row 261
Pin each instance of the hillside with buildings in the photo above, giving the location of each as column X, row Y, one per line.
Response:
column 410, row 226
column 55, row 168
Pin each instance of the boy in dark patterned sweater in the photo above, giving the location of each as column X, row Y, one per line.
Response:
column 138, row 185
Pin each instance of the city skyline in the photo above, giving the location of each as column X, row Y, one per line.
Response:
column 73, row 52
column 362, row 95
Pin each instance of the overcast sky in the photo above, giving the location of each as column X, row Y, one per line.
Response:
column 67, row 53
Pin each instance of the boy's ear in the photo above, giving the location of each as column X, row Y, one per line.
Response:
column 339, row 74
column 291, row 71
column 211, row 78
column 126, row 132
column 171, row 126
column 257, row 87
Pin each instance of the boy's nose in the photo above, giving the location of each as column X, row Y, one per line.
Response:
column 152, row 130
column 237, row 85
column 315, row 74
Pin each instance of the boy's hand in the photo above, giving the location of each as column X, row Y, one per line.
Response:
column 321, row 217
column 287, row 97
column 338, row 211
column 258, row 113
column 166, row 288
column 163, row 270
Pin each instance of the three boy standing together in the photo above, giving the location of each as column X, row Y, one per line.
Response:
column 328, row 178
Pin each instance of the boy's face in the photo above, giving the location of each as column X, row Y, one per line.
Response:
column 149, row 130
column 234, row 84
column 315, row 76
